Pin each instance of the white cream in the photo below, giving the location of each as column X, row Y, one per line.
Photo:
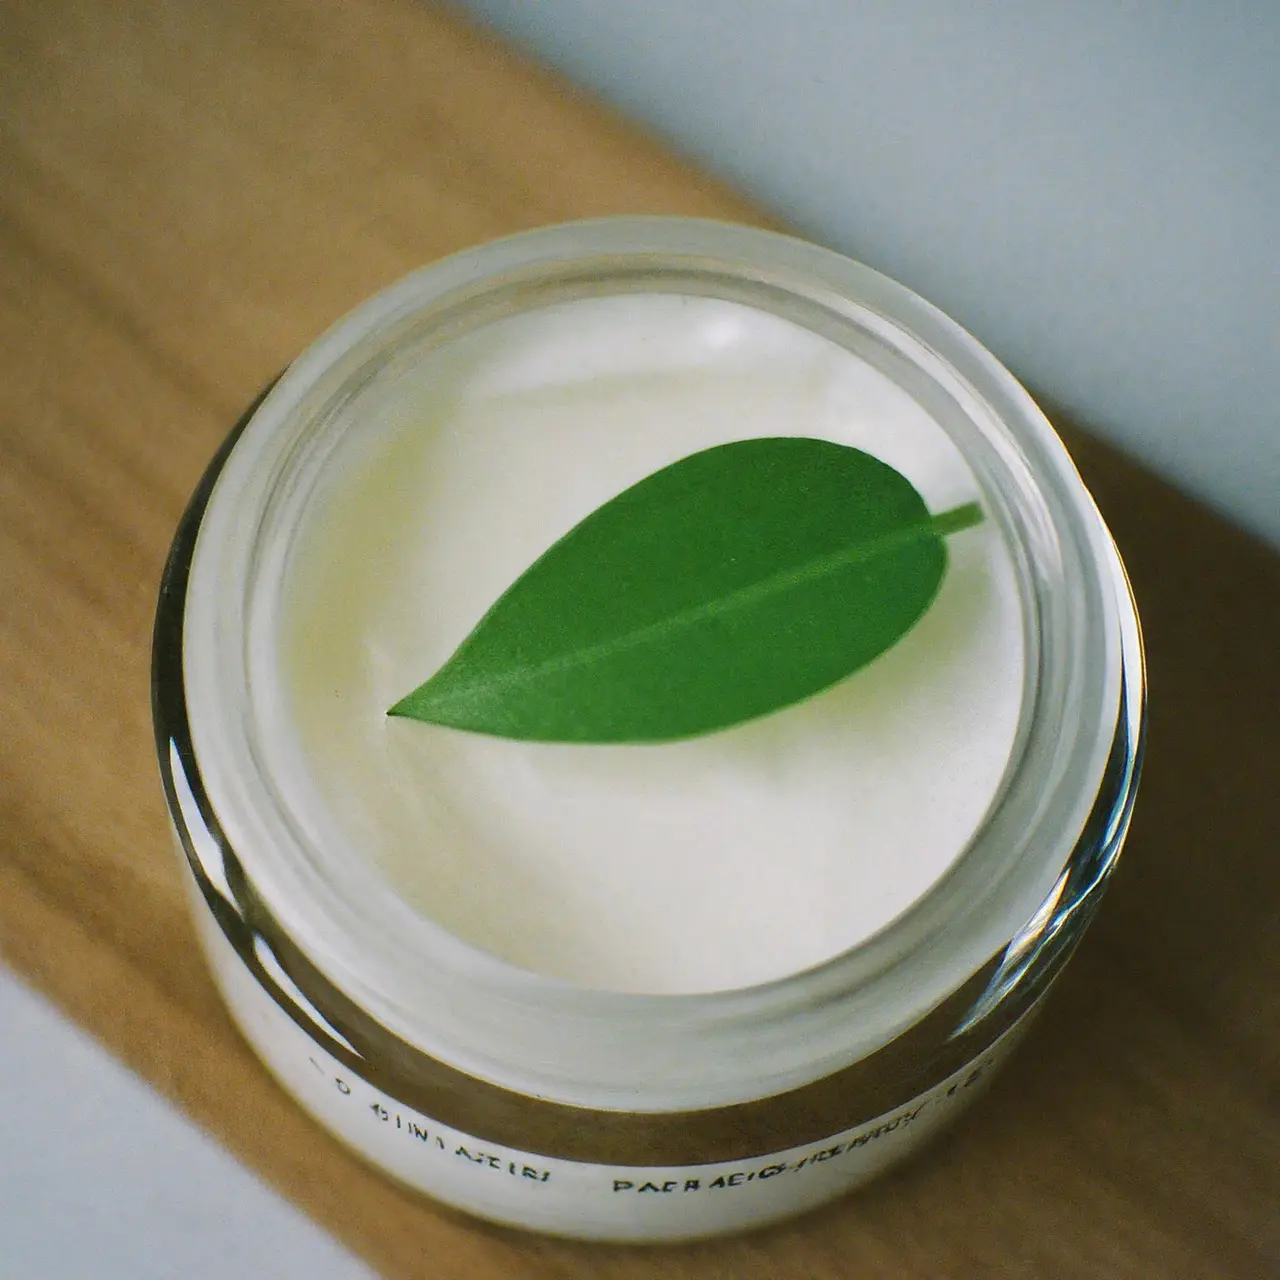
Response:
column 711, row 864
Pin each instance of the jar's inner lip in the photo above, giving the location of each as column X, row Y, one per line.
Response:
column 712, row 864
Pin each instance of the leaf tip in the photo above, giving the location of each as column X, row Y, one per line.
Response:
column 406, row 708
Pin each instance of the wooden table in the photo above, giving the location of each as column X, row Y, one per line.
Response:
column 189, row 192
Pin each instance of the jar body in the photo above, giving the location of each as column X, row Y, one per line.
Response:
column 665, row 1169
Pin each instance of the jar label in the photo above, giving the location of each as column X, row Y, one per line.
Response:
column 612, row 1202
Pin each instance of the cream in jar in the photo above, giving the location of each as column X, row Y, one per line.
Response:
column 715, row 863
column 642, row 992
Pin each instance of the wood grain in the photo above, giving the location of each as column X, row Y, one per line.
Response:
column 188, row 194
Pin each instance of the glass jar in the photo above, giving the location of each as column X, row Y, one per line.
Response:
column 598, row 1113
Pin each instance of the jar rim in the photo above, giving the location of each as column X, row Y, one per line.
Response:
column 504, row 1024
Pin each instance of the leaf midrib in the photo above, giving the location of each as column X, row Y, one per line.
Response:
column 951, row 521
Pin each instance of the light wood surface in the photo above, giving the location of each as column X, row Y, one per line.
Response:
column 189, row 193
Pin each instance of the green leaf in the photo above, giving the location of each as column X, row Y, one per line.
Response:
column 730, row 584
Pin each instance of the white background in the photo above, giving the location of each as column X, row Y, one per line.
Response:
column 1092, row 187
column 102, row 1180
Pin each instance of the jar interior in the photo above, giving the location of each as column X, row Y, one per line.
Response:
column 715, row 863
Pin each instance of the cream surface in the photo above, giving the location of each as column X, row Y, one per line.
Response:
column 716, row 863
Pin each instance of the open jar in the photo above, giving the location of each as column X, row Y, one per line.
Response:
column 640, row 992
